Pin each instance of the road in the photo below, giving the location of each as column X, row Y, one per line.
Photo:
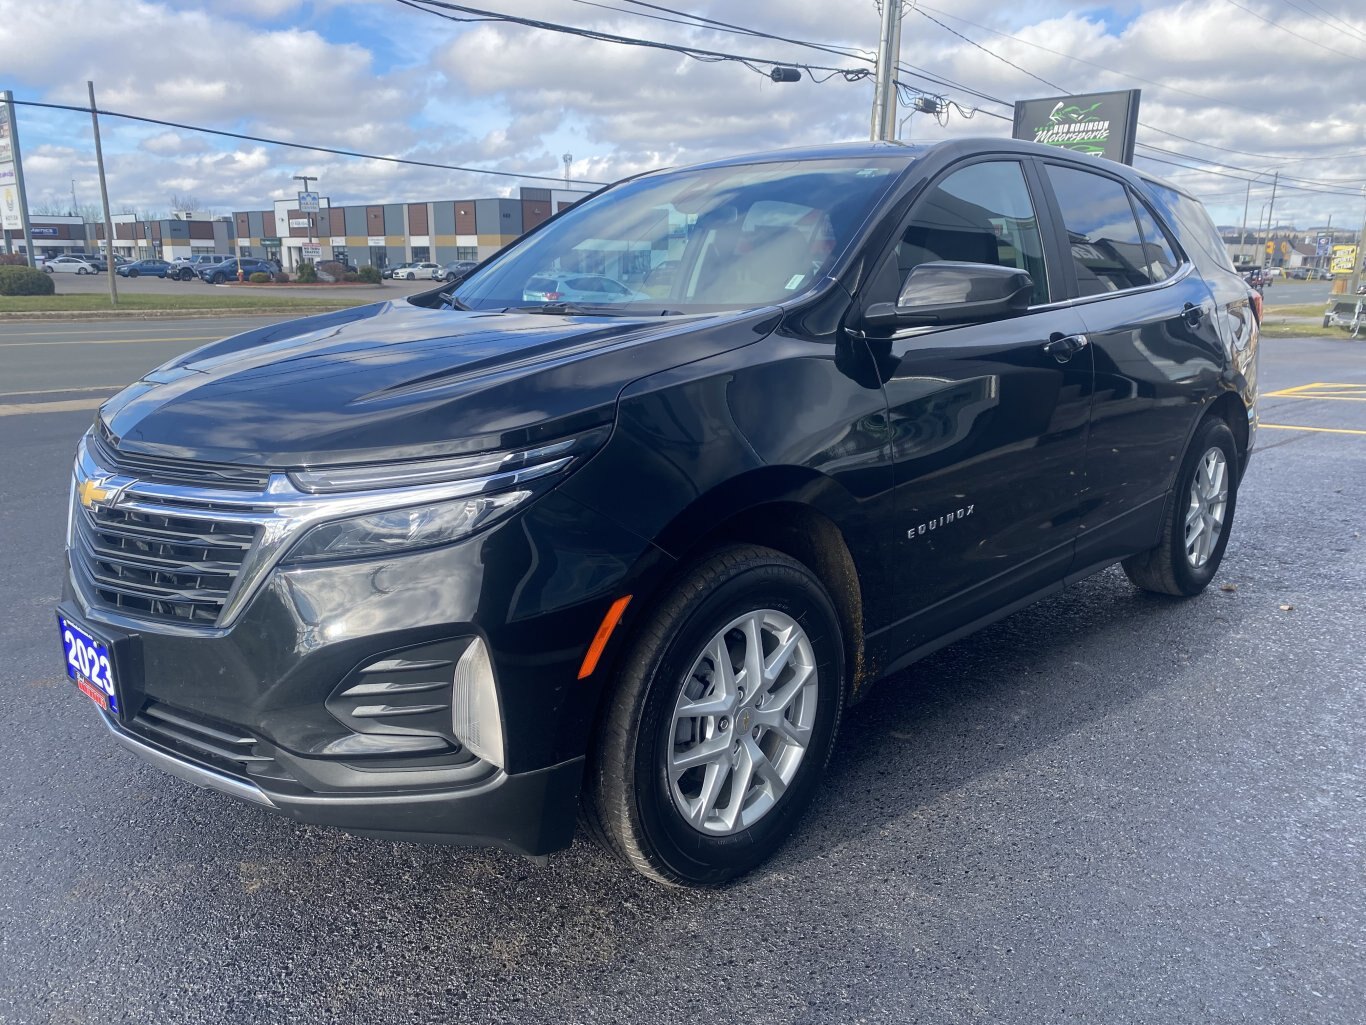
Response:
column 1108, row 808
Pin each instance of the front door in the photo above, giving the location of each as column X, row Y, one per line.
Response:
column 987, row 421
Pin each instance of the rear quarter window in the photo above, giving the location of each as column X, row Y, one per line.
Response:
column 1192, row 224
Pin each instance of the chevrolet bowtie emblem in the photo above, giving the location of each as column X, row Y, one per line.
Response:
column 93, row 491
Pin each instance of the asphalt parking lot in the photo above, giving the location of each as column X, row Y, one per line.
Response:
column 1108, row 808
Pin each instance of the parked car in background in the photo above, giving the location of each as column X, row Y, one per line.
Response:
column 186, row 268
column 149, row 267
column 389, row 272
column 69, row 265
column 477, row 565
column 578, row 288
column 414, row 271
column 1256, row 278
column 454, row 270
column 226, row 270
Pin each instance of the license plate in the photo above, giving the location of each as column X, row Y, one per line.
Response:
column 88, row 665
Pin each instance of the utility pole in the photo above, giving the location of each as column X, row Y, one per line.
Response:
column 109, row 265
column 1270, row 216
column 568, row 162
column 17, row 163
column 1360, row 255
column 1242, row 239
column 888, row 55
column 305, row 178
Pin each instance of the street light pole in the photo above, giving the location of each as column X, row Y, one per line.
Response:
column 1270, row 214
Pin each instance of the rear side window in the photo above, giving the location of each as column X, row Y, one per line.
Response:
column 1161, row 260
column 1197, row 231
column 1107, row 249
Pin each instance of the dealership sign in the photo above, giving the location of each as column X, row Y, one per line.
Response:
column 48, row 232
column 1100, row 124
column 1344, row 260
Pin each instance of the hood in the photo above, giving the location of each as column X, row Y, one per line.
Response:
column 396, row 381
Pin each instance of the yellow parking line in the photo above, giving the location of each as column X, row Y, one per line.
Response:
column 1317, row 430
column 62, row 406
column 1314, row 397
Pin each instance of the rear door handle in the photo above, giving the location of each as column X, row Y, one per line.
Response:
column 1063, row 347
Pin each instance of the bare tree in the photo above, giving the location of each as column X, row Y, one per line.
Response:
column 188, row 202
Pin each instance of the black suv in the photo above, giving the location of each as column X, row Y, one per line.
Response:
column 444, row 569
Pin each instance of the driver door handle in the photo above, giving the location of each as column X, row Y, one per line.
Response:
column 1063, row 347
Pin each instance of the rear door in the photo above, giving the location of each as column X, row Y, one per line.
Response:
column 987, row 421
column 1150, row 318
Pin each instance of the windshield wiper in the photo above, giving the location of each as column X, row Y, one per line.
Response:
column 450, row 302
column 564, row 309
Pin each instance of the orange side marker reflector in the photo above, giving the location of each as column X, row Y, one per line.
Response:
column 609, row 623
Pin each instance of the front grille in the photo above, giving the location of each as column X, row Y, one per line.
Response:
column 160, row 469
column 177, row 566
column 220, row 746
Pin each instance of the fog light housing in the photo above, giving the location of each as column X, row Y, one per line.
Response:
column 476, row 717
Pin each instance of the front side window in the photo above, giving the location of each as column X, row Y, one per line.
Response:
column 979, row 214
column 1107, row 248
column 734, row 237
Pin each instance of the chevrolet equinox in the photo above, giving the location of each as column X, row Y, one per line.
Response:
column 458, row 567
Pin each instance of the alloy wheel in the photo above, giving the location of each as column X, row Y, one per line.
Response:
column 1207, row 506
column 742, row 722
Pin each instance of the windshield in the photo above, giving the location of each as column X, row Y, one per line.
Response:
column 691, row 241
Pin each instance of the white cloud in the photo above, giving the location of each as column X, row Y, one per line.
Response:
column 381, row 78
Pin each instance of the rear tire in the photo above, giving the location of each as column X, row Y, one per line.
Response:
column 764, row 752
column 1199, row 518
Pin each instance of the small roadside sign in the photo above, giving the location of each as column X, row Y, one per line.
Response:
column 312, row 251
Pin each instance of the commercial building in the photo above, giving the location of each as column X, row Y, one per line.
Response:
column 52, row 235
column 170, row 238
column 387, row 234
column 383, row 235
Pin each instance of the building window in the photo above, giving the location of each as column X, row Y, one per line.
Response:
column 467, row 252
column 421, row 254
column 339, row 254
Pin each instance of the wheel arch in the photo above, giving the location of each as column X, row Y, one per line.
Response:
column 1229, row 407
column 790, row 509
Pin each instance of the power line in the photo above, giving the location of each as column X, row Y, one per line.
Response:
column 1278, row 25
column 1340, row 27
column 1094, row 64
column 1349, row 28
column 1144, row 124
column 305, row 146
column 695, row 52
column 708, row 55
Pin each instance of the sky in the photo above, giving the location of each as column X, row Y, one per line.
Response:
column 1235, row 90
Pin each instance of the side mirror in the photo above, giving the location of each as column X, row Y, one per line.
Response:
column 955, row 293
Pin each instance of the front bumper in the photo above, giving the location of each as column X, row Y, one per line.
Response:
column 522, row 813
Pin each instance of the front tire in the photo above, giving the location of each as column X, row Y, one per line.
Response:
column 1199, row 518
column 701, row 772
column 131, row 274
column 220, row 278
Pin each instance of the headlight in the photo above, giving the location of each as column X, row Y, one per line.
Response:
column 394, row 530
